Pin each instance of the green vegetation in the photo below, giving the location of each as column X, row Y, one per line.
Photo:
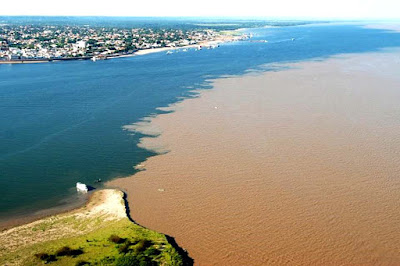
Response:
column 121, row 243
column 88, row 236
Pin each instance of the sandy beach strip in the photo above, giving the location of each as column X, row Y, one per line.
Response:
column 202, row 44
column 164, row 49
column 294, row 167
column 105, row 203
column 91, row 235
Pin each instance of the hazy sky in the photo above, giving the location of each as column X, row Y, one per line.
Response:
column 278, row 8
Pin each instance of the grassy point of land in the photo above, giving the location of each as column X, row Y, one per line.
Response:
column 98, row 234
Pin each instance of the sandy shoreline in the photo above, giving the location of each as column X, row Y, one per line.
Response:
column 103, row 203
column 90, row 235
column 202, row 44
column 295, row 167
column 22, row 218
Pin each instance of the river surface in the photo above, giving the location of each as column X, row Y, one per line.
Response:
column 61, row 123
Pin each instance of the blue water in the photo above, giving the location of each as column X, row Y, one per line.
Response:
column 62, row 122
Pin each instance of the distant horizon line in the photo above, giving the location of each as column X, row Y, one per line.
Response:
column 216, row 17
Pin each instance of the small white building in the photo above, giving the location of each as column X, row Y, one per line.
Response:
column 81, row 44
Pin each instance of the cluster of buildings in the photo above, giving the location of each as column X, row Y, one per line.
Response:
column 51, row 42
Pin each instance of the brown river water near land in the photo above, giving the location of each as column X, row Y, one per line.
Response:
column 295, row 167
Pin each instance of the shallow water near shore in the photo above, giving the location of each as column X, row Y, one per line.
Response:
column 63, row 122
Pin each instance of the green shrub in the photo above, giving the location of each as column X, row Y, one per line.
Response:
column 129, row 260
column 152, row 252
column 67, row 251
column 76, row 252
column 64, row 251
column 116, row 239
column 142, row 245
column 45, row 257
column 124, row 248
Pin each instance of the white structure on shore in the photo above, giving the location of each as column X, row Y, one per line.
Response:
column 80, row 187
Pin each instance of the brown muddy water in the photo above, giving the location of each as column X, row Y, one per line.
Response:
column 295, row 167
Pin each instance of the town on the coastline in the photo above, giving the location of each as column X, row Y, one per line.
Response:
column 62, row 42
